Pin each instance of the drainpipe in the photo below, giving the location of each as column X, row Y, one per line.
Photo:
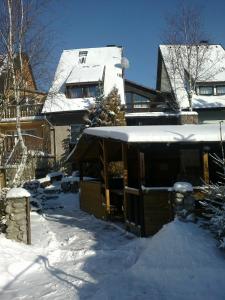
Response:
column 54, row 144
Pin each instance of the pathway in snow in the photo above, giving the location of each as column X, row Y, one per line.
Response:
column 75, row 256
column 71, row 254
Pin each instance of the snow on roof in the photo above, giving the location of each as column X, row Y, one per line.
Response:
column 200, row 101
column 17, row 193
column 159, row 114
column 160, row 134
column 29, row 118
column 71, row 70
column 86, row 74
column 211, row 70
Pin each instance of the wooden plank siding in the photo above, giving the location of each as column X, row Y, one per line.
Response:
column 157, row 211
column 91, row 200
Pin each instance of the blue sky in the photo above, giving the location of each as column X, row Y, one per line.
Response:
column 136, row 25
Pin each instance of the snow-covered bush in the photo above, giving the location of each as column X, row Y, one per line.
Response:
column 214, row 204
column 3, row 193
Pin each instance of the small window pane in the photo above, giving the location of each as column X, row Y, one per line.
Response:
column 141, row 101
column 220, row 90
column 128, row 98
column 205, row 90
column 75, row 133
column 93, row 91
column 82, row 91
column 83, row 53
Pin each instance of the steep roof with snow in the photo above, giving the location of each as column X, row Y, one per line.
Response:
column 212, row 70
column 98, row 64
column 160, row 134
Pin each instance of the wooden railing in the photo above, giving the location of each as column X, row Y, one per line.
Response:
column 145, row 106
column 33, row 144
column 138, row 106
column 26, row 110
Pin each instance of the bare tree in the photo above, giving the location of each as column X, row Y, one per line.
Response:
column 21, row 47
column 187, row 52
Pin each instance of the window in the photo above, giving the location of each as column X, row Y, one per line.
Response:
column 83, row 53
column 220, row 90
column 75, row 130
column 136, row 100
column 82, row 91
column 82, row 60
column 82, row 57
column 206, row 90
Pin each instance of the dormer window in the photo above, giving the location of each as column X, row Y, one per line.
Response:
column 83, row 53
column 220, row 90
column 206, row 90
column 82, row 91
column 82, row 57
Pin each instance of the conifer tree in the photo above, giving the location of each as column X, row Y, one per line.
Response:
column 106, row 111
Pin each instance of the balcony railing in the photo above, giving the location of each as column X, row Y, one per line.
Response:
column 32, row 142
column 145, row 106
column 26, row 110
column 34, row 145
column 138, row 106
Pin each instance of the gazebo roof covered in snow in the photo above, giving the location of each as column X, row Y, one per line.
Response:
column 88, row 144
column 160, row 134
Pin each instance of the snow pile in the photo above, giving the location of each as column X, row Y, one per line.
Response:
column 183, row 187
column 17, row 193
column 181, row 262
column 75, row 256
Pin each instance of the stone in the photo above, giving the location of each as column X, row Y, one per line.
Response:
column 19, row 211
column 22, row 237
column 19, row 205
column 23, row 228
column 17, row 217
column 8, row 209
column 11, row 236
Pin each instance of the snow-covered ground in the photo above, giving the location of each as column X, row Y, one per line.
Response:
column 75, row 256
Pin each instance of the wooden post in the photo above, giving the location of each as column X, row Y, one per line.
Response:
column 106, row 177
column 141, row 198
column 125, row 179
column 28, row 221
column 142, row 168
column 206, row 167
column 81, row 171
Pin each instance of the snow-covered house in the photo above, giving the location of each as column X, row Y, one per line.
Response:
column 78, row 76
column 34, row 127
column 207, row 64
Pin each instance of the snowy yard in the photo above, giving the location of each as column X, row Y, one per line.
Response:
column 75, row 256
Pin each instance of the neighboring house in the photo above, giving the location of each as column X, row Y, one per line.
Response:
column 141, row 103
column 35, row 129
column 209, row 95
column 79, row 75
column 146, row 106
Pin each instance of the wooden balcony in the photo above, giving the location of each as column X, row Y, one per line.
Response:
column 145, row 106
column 27, row 110
column 138, row 107
column 34, row 145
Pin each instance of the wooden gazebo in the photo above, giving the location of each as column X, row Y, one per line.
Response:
column 152, row 159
